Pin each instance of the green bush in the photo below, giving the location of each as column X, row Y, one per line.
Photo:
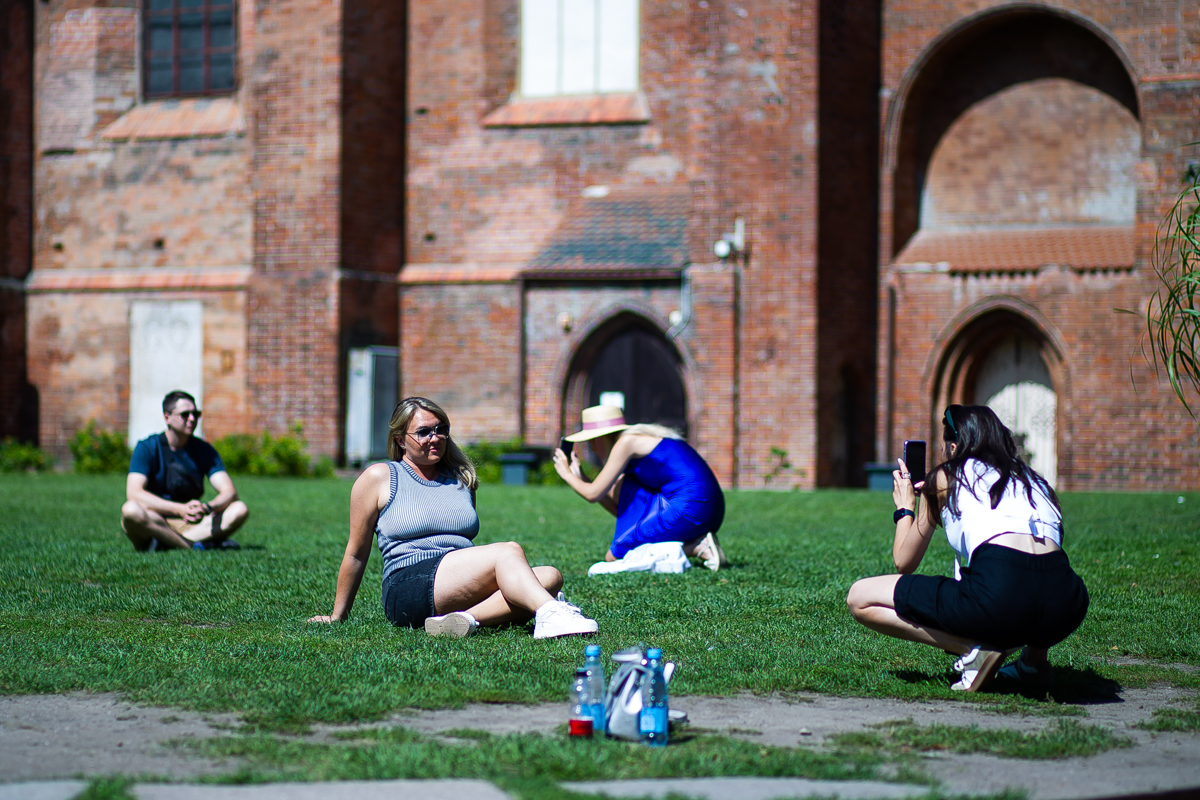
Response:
column 284, row 455
column 20, row 457
column 97, row 451
column 486, row 457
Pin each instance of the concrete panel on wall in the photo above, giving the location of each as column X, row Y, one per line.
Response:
column 166, row 349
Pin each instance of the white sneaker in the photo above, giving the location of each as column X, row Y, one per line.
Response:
column 716, row 556
column 978, row 667
column 560, row 618
column 456, row 624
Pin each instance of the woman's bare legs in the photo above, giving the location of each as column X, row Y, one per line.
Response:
column 493, row 583
column 870, row 601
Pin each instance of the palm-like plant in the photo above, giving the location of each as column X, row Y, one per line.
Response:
column 1172, row 315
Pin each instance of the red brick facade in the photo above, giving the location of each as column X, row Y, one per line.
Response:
column 917, row 182
column 1061, row 127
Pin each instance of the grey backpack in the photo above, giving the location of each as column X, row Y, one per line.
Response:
column 623, row 706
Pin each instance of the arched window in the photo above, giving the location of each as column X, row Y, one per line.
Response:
column 189, row 47
column 573, row 47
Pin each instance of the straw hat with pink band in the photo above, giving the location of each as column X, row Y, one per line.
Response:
column 599, row 421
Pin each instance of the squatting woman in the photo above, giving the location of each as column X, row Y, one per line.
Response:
column 653, row 482
column 1014, row 587
column 420, row 510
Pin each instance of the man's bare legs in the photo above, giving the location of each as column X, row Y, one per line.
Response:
column 143, row 526
column 493, row 583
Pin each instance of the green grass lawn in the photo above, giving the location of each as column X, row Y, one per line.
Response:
column 225, row 631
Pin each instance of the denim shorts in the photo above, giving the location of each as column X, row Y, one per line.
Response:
column 1005, row 599
column 408, row 593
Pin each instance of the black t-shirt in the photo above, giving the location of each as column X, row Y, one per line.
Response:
column 197, row 458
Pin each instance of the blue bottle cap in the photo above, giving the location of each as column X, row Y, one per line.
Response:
column 592, row 650
column 654, row 652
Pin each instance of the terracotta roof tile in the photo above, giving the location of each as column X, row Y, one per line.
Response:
column 1083, row 247
column 634, row 228
column 578, row 110
column 178, row 119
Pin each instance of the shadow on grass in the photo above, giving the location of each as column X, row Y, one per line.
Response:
column 1072, row 686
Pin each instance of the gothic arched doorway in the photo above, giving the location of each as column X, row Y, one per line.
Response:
column 1005, row 361
column 628, row 362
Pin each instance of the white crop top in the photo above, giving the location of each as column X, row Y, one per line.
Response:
column 977, row 521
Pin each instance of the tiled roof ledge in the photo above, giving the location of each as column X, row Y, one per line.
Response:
column 591, row 109
column 192, row 118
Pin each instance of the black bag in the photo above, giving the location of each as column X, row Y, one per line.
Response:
column 183, row 484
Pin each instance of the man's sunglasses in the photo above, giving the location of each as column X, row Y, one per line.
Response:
column 425, row 432
column 193, row 413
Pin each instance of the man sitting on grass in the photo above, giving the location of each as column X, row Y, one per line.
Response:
column 166, row 481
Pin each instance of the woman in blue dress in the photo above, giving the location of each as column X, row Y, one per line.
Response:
column 653, row 482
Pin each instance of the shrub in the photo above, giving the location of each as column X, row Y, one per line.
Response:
column 284, row 455
column 98, row 451
column 486, row 457
column 20, row 457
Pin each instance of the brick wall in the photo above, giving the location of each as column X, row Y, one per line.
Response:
column 18, row 400
column 732, row 93
column 79, row 360
column 848, row 116
column 1118, row 425
column 459, row 352
column 1047, row 152
column 294, row 89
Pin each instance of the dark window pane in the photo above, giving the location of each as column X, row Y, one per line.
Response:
column 159, row 5
column 190, row 3
column 191, row 74
column 160, row 37
column 220, row 30
column 160, row 76
column 220, row 72
column 191, row 32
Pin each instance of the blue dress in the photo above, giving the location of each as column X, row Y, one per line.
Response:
column 670, row 495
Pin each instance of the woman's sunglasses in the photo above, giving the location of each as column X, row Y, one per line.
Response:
column 426, row 432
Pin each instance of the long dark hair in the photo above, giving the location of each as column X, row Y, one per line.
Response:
column 979, row 434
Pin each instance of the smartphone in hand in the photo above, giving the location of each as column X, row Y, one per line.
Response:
column 566, row 447
column 914, row 459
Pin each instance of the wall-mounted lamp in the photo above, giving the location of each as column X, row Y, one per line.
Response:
column 732, row 244
column 565, row 322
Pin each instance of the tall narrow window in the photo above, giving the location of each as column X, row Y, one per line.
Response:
column 189, row 47
column 578, row 47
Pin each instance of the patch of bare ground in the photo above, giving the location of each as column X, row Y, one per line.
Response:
column 88, row 735
column 78, row 734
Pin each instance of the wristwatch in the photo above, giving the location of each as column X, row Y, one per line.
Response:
column 901, row 513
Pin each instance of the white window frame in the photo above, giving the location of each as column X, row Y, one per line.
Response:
column 624, row 73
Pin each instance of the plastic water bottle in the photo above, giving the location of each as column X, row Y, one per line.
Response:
column 596, row 685
column 581, row 712
column 653, row 720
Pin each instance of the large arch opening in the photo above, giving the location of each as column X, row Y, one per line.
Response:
column 1005, row 361
column 1047, row 60
column 630, row 362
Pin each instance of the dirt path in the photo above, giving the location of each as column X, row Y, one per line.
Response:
column 79, row 734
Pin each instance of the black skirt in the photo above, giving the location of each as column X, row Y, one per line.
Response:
column 408, row 593
column 1005, row 599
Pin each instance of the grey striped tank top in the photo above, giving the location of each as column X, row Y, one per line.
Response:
column 423, row 519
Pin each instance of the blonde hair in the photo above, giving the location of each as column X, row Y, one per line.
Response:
column 455, row 462
column 650, row 429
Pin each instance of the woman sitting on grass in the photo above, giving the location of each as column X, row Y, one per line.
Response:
column 1005, row 525
column 653, row 482
column 420, row 509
